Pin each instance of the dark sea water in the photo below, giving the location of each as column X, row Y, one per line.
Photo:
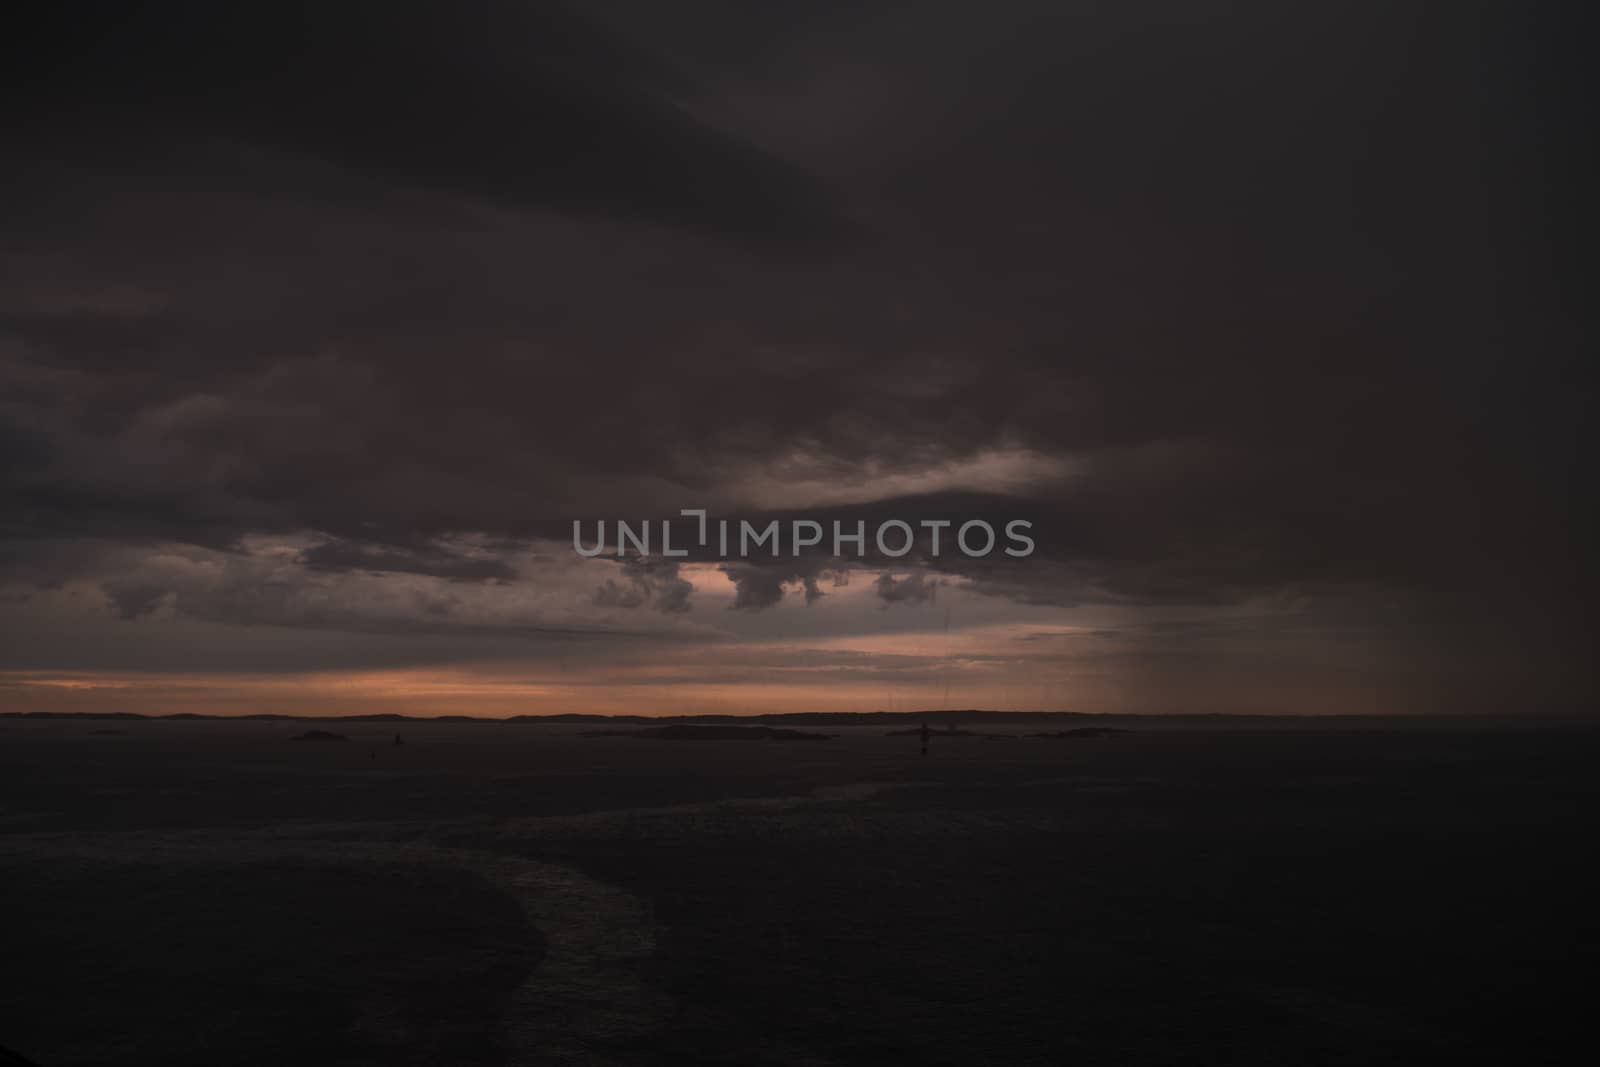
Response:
column 213, row 893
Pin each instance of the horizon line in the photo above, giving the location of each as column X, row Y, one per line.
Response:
column 793, row 716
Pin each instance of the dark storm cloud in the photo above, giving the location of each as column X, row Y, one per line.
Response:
column 1289, row 286
column 525, row 104
column 612, row 595
column 914, row 588
column 672, row 595
column 761, row 582
column 755, row 588
column 133, row 599
column 421, row 559
column 238, row 589
column 647, row 581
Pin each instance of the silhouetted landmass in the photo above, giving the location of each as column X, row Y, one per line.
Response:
column 713, row 733
column 383, row 717
column 319, row 735
column 944, row 717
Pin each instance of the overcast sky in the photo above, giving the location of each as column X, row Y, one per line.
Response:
column 321, row 323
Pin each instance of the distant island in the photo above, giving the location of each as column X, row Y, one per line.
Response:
column 319, row 735
column 954, row 722
column 948, row 716
column 945, row 717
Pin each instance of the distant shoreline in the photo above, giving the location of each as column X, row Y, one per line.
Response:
column 836, row 718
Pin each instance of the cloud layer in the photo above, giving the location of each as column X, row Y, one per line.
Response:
column 1266, row 308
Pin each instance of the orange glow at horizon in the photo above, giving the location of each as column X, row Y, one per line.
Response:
column 449, row 691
